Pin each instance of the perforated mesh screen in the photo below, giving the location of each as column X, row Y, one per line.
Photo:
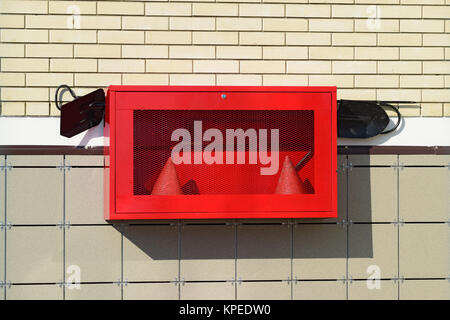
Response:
column 152, row 148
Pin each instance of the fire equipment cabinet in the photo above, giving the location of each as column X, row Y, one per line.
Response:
column 186, row 152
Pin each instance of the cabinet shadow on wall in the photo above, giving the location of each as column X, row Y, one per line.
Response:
column 265, row 238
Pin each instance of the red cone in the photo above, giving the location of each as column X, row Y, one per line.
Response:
column 167, row 182
column 289, row 182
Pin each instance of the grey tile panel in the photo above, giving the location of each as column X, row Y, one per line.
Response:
column 2, row 256
column 424, row 194
column 35, row 196
column 320, row 251
column 263, row 291
column 207, row 291
column 35, row 160
column 2, row 189
column 435, row 289
column 264, row 252
column 373, row 159
column 373, row 251
column 424, row 250
column 319, row 290
column 150, row 253
column 84, row 161
column 424, row 160
column 34, row 292
column 96, row 250
column 382, row 290
column 208, row 252
column 34, row 254
column 84, row 200
column 94, row 291
column 151, row 291
column 202, row 259
column 372, row 194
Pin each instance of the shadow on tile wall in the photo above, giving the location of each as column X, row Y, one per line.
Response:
column 268, row 238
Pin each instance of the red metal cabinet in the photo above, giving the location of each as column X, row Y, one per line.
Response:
column 254, row 130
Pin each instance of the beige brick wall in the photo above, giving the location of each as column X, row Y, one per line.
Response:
column 370, row 49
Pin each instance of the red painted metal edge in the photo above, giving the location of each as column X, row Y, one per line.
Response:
column 111, row 213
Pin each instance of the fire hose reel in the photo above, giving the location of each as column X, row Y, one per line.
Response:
column 221, row 152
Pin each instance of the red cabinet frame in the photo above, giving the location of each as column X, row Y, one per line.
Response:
column 124, row 200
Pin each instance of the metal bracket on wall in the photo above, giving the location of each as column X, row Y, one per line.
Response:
column 178, row 224
column 5, row 226
column 233, row 281
column 63, row 167
column 343, row 165
column 395, row 167
column 121, row 283
column 5, row 166
column 346, row 280
column 290, row 223
column 344, row 222
column 349, row 166
column 400, row 279
column 294, row 280
column 178, row 281
column 67, row 165
column 233, row 223
column 401, row 222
